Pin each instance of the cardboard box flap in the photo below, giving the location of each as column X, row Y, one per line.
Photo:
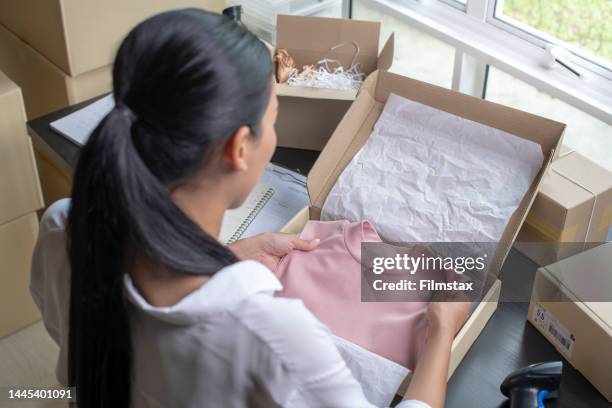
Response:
column 308, row 39
column 516, row 220
column 356, row 127
column 385, row 59
column 345, row 139
column 538, row 129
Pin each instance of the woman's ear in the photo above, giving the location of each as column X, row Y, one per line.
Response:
column 238, row 148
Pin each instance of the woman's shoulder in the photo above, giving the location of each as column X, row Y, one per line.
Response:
column 55, row 216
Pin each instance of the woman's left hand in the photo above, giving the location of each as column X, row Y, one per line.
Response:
column 268, row 248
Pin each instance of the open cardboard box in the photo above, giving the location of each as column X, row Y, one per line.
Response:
column 308, row 116
column 357, row 125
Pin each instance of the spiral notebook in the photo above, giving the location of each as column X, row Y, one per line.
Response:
column 236, row 221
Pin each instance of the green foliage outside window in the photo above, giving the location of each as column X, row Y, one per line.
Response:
column 585, row 23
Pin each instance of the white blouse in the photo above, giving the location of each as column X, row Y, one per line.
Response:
column 230, row 343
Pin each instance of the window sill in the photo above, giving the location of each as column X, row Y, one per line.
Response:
column 491, row 45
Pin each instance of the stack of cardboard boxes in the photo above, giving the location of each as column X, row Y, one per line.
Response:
column 572, row 211
column 60, row 52
column 570, row 302
column 20, row 198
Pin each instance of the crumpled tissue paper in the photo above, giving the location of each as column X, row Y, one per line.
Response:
column 426, row 175
column 379, row 377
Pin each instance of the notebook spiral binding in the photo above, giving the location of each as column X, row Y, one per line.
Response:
column 247, row 221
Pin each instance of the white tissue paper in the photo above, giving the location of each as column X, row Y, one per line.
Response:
column 379, row 377
column 426, row 175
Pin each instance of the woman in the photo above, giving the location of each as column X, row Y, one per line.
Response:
column 160, row 313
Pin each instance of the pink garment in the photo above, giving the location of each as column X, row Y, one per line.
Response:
column 328, row 280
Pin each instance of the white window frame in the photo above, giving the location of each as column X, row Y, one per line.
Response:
column 479, row 43
column 456, row 4
column 586, row 59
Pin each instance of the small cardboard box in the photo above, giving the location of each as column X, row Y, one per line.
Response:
column 19, row 186
column 574, row 205
column 308, row 116
column 356, row 127
column 45, row 87
column 571, row 305
column 79, row 36
column 17, row 240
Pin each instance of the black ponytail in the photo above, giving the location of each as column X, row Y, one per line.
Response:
column 184, row 81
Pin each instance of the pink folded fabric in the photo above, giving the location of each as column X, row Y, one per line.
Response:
column 328, row 280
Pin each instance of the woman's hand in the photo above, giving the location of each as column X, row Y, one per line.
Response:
column 429, row 378
column 268, row 248
column 447, row 318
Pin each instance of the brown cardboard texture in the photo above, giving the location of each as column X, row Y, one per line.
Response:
column 356, row 127
column 308, row 116
column 573, row 205
column 19, row 186
column 581, row 330
column 17, row 240
column 79, row 36
column 45, row 87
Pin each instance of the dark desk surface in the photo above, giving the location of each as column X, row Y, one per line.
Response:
column 506, row 343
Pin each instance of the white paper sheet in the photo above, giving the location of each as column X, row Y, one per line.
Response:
column 78, row 125
column 425, row 175
column 380, row 378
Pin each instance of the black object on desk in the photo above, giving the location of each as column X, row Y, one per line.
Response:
column 529, row 386
column 508, row 341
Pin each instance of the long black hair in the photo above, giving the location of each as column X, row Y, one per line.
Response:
column 183, row 82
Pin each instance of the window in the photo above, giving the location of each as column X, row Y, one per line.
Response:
column 417, row 55
column 452, row 41
column 581, row 26
column 584, row 133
